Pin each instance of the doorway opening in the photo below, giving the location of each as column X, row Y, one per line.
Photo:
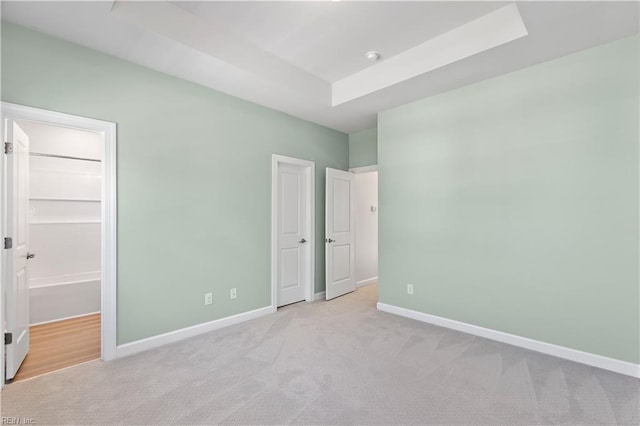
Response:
column 64, row 240
column 366, row 182
column 292, row 230
column 58, row 303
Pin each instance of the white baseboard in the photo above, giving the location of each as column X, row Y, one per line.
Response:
column 65, row 318
column 367, row 281
column 611, row 364
column 319, row 296
column 184, row 333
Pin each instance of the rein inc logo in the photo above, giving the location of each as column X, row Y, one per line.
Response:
column 17, row 421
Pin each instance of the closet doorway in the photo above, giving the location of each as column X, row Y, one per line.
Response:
column 64, row 236
column 59, row 305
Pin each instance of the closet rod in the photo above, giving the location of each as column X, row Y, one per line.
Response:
column 66, row 157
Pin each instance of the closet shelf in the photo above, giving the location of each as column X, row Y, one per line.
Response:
column 64, row 222
column 91, row 200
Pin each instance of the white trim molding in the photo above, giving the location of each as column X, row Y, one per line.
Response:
column 187, row 332
column 320, row 296
column 107, row 131
column 63, row 319
column 606, row 363
column 367, row 281
column 310, row 169
column 364, row 169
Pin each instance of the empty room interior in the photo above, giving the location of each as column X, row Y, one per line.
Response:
column 320, row 212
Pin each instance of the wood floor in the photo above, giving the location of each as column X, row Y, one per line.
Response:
column 61, row 344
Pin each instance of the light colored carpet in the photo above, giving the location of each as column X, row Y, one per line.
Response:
column 337, row 362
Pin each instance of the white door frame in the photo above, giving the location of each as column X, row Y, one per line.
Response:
column 310, row 170
column 108, row 211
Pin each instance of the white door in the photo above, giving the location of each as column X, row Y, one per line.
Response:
column 340, row 233
column 16, row 286
column 292, row 240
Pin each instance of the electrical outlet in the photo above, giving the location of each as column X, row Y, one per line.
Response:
column 409, row 288
column 208, row 298
column 233, row 293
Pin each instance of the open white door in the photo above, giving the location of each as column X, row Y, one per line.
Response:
column 16, row 285
column 340, row 233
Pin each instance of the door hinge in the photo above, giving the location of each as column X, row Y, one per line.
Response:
column 8, row 148
column 8, row 338
column 8, row 242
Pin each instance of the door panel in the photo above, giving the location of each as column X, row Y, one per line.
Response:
column 17, row 290
column 290, row 267
column 290, row 205
column 340, row 235
column 341, row 205
column 291, row 275
column 341, row 266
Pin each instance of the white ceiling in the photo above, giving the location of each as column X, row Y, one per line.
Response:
column 329, row 39
column 294, row 56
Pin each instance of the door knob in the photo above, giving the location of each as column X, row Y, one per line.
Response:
column 329, row 240
column 303, row 240
column 31, row 255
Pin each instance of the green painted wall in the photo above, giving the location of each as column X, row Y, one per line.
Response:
column 363, row 148
column 194, row 178
column 512, row 204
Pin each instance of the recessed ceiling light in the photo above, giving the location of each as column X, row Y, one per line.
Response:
column 372, row 55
